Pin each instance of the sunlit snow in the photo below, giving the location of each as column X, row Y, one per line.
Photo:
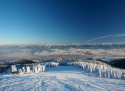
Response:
column 61, row 78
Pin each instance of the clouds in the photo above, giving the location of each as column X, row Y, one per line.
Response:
column 113, row 35
column 119, row 35
column 94, row 53
column 14, row 54
column 38, row 52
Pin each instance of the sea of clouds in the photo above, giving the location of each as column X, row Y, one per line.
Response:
column 15, row 52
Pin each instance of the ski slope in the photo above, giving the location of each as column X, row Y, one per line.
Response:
column 61, row 78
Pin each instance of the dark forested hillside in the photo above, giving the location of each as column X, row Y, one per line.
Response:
column 120, row 63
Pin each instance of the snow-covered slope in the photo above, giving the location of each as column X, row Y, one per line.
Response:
column 61, row 78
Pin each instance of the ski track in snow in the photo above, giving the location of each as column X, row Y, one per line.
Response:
column 61, row 78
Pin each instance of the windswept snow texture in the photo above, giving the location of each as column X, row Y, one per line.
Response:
column 61, row 78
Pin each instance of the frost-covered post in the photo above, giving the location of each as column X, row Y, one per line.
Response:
column 105, row 71
column 83, row 67
column 43, row 68
column 114, row 73
column 91, row 67
column 36, row 71
column 100, row 70
column 28, row 69
column 33, row 69
column 111, row 72
column 94, row 67
column 40, row 69
column 108, row 72
column 23, row 69
column 119, row 73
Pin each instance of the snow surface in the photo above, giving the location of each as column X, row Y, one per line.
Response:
column 61, row 78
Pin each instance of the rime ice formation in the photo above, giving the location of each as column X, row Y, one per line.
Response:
column 13, row 68
column 33, row 69
column 38, row 68
column 103, row 70
column 52, row 64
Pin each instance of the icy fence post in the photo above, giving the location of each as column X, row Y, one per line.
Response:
column 113, row 74
column 28, row 69
column 100, row 70
column 88, row 67
column 39, row 68
column 108, row 72
column 105, row 71
column 119, row 73
column 91, row 67
column 43, row 67
column 23, row 69
column 36, row 69
column 33, row 68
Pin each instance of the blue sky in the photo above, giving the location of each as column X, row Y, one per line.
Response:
column 61, row 21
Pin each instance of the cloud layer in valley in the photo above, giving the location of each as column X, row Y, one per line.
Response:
column 39, row 52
